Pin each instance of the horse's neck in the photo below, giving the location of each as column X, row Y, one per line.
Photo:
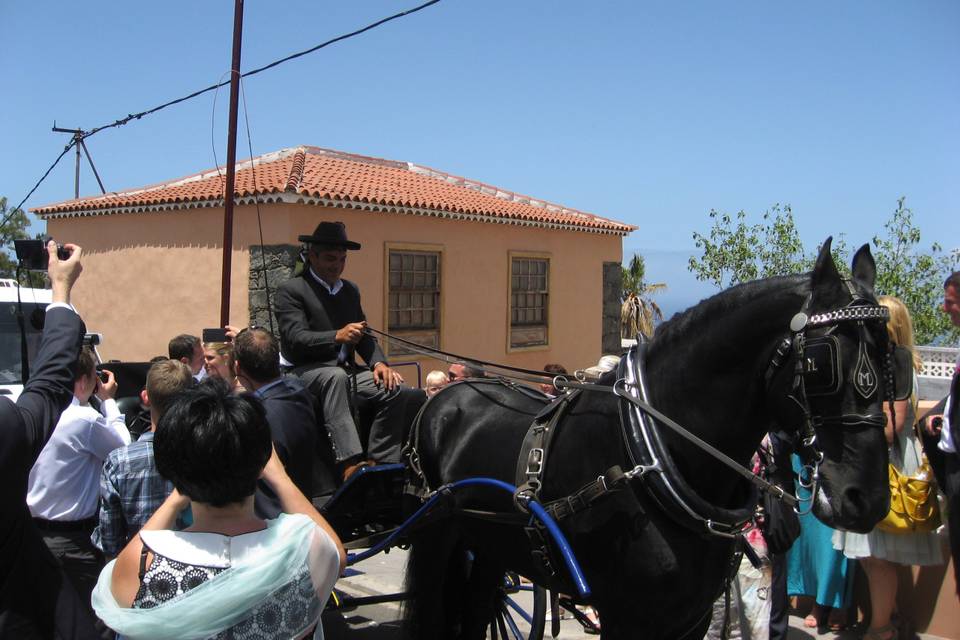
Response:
column 706, row 372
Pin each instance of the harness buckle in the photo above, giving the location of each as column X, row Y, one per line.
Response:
column 602, row 480
column 535, row 462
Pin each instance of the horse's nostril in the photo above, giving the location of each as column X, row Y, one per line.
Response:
column 854, row 502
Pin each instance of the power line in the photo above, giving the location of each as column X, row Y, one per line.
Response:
column 42, row 178
column 136, row 116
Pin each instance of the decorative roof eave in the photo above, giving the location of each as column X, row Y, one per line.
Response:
column 288, row 197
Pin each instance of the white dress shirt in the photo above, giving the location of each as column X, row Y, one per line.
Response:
column 946, row 438
column 64, row 481
column 334, row 290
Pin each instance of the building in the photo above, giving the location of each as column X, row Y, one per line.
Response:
column 446, row 261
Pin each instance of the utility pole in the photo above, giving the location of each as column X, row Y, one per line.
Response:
column 78, row 136
column 231, row 164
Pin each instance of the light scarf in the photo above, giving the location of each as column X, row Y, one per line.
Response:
column 223, row 601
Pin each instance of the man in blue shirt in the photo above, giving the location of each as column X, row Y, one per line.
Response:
column 130, row 487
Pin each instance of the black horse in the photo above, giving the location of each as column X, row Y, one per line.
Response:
column 727, row 371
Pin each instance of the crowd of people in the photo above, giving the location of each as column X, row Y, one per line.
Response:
column 113, row 532
column 121, row 519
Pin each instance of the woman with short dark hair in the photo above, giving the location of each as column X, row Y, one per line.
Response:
column 230, row 573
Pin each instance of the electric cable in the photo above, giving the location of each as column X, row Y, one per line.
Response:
column 67, row 148
column 213, row 128
column 141, row 114
column 256, row 201
column 137, row 116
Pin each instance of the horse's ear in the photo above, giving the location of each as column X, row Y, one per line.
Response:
column 824, row 270
column 864, row 268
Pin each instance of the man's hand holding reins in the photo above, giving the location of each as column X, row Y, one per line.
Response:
column 350, row 333
column 386, row 377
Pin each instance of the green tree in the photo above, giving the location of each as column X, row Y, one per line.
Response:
column 915, row 276
column 735, row 252
column 14, row 229
column 639, row 313
column 740, row 252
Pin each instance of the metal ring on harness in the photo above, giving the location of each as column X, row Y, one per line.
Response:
column 810, row 481
column 559, row 380
column 807, row 477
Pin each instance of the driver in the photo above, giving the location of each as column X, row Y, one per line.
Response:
column 321, row 321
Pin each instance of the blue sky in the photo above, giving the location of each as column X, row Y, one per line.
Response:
column 651, row 113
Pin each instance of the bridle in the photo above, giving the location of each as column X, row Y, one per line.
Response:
column 820, row 357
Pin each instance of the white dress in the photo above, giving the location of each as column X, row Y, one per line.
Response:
column 903, row 548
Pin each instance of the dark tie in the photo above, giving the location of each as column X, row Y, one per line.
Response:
column 954, row 415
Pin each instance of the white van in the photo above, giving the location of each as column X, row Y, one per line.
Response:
column 33, row 304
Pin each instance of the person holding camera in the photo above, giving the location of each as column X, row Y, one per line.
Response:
column 64, row 484
column 36, row 600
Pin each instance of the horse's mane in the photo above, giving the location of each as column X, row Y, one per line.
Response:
column 726, row 304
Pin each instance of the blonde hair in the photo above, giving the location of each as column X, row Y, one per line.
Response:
column 435, row 377
column 900, row 327
column 224, row 349
column 165, row 380
column 900, row 330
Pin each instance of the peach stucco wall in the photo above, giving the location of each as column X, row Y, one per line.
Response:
column 150, row 276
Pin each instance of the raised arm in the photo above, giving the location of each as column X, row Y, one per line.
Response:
column 292, row 500
column 50, row 387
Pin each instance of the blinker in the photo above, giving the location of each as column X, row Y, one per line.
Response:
column 821, row 366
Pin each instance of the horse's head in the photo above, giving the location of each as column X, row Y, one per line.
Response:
column 834, row 372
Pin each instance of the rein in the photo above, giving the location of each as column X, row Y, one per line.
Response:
column 619, row 389
column 518, row 373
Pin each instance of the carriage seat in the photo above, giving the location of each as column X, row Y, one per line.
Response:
column 325, row 478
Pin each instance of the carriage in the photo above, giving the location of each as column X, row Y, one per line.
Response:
column 629, row 477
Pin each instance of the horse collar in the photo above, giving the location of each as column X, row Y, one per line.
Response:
column 658, row 474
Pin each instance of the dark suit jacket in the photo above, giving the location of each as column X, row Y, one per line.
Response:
column 293, row 425
column 307, row 331
column 35, row 598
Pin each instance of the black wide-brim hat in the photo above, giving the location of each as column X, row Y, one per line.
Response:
column 331, row 233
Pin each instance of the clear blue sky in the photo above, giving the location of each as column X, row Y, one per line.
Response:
column 651, row 113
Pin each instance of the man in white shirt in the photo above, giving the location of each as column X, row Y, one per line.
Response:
column 947, row 425
column 188, row 350
column 63, row 488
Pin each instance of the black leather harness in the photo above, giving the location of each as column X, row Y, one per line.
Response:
column 535, row 454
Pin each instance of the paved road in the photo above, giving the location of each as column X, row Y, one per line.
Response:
column 383, row 574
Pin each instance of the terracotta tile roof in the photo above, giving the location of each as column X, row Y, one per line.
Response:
column 325, row 177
